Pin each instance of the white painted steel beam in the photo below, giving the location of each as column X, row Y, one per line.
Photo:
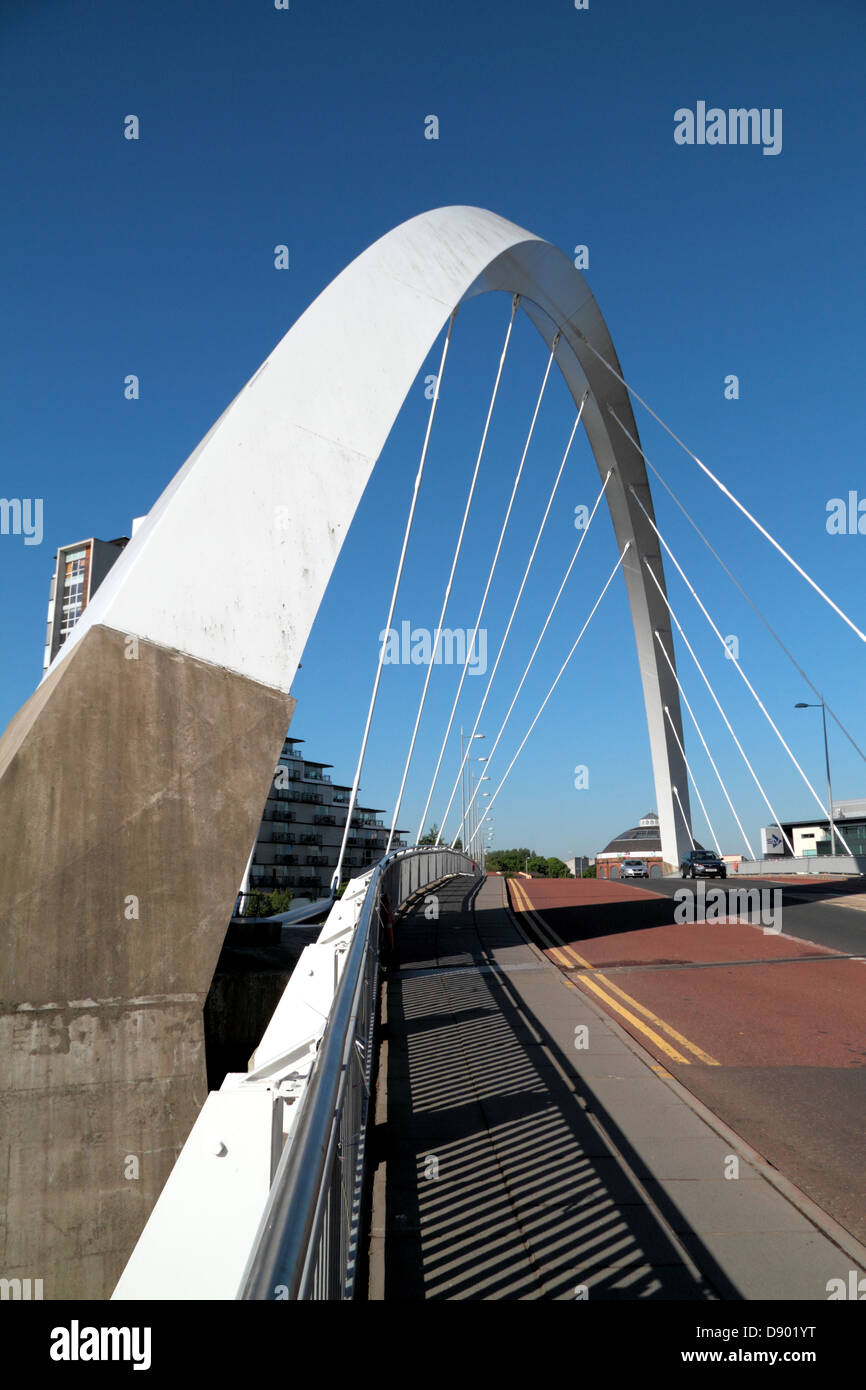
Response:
column 232, row 561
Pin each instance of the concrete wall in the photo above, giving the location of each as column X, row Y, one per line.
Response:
column 130, row 793
column 246, row 988
column 809, row 864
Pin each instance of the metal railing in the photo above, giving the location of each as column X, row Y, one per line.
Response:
column 307, row 1243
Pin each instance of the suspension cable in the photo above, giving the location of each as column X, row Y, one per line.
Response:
column 693, row 782
column 764, row 619
column 511, row 618
column 514, row 303
column 717, row 703
column 550, row 614
column 493, row 565
column 335, row 881
column 541, row 707
column 685, row 700
column 752, row 691
column 684, row 816
column 721, row 486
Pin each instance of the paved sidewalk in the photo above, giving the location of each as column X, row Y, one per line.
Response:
column 514, row 1162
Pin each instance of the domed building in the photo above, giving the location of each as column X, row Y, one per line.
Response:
column 641, row 841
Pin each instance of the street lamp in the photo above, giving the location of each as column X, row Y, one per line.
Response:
column 472, row 810
column 463, row 782
column 475, row 823
column 823, row 708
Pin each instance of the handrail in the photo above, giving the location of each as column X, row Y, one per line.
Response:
column 285, row 1251
column 287, row 1222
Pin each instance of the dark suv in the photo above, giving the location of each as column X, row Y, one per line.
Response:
column 699, row 863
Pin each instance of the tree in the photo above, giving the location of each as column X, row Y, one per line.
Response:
column 518, row 861
column 257, row 904
column 430, row 836
column 590, row 872
column 557, row 869
column 261, row 904
column 509, row 861
column 537, row 866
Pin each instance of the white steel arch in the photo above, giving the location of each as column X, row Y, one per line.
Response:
column 231, row 564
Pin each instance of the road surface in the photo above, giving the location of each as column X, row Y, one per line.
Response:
column 765, row 1024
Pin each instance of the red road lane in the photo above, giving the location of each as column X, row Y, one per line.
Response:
column 782, row 1019
column 741, row 1011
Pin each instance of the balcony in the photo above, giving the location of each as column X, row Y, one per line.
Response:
column 324, row 820
column 270, row 876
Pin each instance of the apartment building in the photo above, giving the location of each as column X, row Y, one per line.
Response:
column 302, row 828
column 79, row 570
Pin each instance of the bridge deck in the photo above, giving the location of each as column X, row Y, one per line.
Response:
column 511, row 1165
column 531, row 1199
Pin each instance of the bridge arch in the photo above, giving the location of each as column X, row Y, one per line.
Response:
column 132, row 780
column 305, row 434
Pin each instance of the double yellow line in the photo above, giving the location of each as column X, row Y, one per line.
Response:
column 614, row 997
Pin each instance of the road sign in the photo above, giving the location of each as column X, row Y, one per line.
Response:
column 771, row 840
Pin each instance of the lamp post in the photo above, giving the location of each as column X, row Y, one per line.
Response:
column 474, row 816
column 489, row 842
column 823, row 708
column 463, row 786
column 473, row 808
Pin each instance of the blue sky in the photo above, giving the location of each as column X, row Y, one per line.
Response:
column 306, row 127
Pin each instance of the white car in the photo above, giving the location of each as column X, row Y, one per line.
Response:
column 634, row 868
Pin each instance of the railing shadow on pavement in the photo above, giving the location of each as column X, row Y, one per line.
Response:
column 499, row 1182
